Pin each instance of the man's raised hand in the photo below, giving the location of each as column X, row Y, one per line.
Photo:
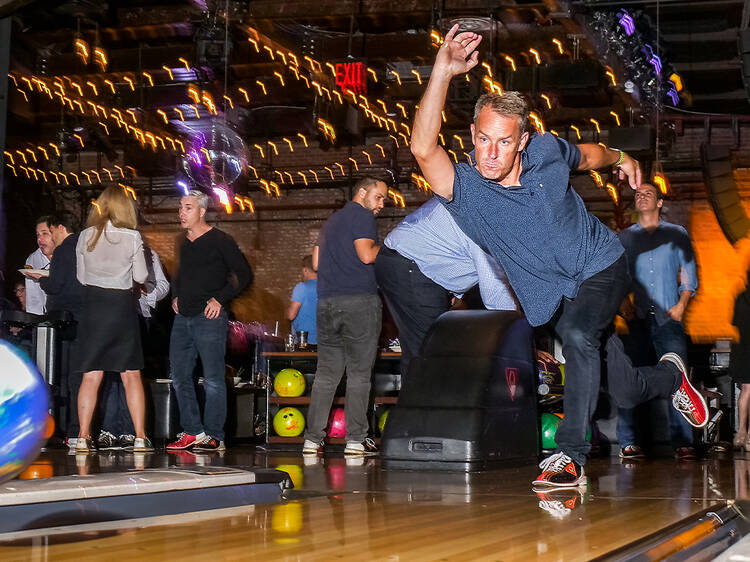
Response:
column 458, row 54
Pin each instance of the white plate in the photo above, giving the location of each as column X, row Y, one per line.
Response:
column 42, row 272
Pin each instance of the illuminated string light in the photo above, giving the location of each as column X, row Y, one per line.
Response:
column 559, row 45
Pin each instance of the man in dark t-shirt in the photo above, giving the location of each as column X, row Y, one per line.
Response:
column 211, row 273
column 349, row 316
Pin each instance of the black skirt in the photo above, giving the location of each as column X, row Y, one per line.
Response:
column 108, row 332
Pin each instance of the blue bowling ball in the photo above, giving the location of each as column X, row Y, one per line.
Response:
column 24, row 401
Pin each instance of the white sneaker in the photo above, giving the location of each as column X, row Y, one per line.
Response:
column 310, row 448
column 364, row 448
column 142, row 445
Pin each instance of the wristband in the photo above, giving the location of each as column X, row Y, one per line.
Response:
column 621, row 158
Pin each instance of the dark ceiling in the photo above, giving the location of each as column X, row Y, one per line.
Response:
column 157, row 51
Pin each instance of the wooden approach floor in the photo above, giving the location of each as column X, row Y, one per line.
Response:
column 360, row 511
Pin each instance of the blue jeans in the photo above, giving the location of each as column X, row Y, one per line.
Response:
column 584, row 326
column 646, row 335
column 194, row 336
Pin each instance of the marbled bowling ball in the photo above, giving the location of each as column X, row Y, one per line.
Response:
column 289, row 382
column 549, row 372
column 336, row 423
column 24, row 401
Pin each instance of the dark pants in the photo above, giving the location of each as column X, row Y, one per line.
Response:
column 194, row 336
column 348, row 331
column 646, row 335
column 415, row 301
column 115, row 413
column 584, row 326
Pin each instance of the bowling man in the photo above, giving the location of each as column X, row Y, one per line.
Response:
column 564, row 265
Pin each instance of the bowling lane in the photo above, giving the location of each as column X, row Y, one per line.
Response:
column 356, row 509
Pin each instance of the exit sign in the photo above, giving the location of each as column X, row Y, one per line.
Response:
column 352, row 76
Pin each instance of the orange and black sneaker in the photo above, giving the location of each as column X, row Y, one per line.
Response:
column 559, row 503
column 559, row 471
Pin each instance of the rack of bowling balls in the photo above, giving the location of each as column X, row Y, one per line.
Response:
column 290, row 386
column 550, row 390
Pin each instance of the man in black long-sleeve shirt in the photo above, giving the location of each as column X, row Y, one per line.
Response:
column 65, row 293
column 212, row 271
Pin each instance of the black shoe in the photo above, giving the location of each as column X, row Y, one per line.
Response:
column 685, row 454
column 631, row 452
column 107, row 441
column 126, row 441
column 210, row 444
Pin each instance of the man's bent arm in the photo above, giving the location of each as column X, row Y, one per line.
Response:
column 457, row 55
column 293, row 310
column 434, row 162
column 596, row 156
column 367, row 249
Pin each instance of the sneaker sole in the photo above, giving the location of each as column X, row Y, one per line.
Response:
column 703, row 402
column 544, row 485
column 351, row 453
column 143, row 450
column 677, row 361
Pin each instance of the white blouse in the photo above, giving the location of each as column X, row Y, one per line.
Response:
column 115, row 262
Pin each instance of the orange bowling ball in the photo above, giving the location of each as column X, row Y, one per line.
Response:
column 38, row 469
column 49, row 429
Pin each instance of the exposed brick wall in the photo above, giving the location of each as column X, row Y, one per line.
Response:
column 273, row 242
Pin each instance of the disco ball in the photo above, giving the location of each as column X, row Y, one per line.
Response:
column 215, row 157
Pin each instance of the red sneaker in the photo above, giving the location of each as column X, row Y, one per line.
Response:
column 687, row 400
column 186, row 441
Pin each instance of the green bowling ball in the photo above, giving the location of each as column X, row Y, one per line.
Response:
column 381, row 421
column 549, row 424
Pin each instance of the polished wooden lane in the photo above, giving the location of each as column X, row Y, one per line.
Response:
column 358, row 511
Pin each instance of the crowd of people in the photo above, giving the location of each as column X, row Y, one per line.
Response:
column 107, row 282
column 510, row 223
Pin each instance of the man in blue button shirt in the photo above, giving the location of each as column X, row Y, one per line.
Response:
column 564, row 265
column 426, row 260
column 662, row 265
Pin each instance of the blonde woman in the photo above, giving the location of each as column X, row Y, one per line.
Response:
column 109, row 260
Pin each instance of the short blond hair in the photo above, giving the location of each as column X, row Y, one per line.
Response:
column 508, row 104
column 113, row 205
